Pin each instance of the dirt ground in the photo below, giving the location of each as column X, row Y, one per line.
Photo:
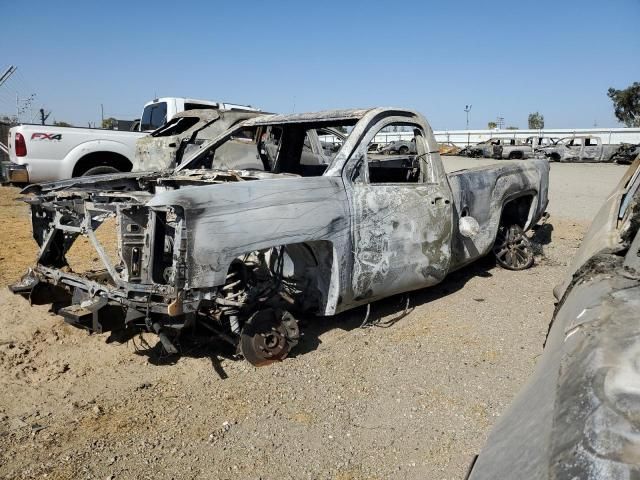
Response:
column 412, row 397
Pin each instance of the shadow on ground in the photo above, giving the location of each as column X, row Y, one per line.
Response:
column 382, row 314
column 541, row 236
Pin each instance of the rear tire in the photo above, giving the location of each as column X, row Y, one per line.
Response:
column 100, row 170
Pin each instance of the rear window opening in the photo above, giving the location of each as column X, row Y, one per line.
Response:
column 304, row 149
column 153, row 116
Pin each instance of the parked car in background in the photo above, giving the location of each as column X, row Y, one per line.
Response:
column 402, row 147
column 331, row 140
column 43, row 153
column 516, row 149
column 160, row 110
column 488, row 148
column 626, row 153
column 578, row 416
column 449, row 148
column 165, row 147
column 512, row 149
column 540, row 142
column 579, row 149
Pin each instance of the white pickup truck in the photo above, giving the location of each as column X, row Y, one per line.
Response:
column 44, row 153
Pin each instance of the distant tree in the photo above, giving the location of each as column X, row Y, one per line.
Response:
column 492, row 125
column 626, row 104
column 536, row 121
column 57, row 123
column 110, row 123
column 512, row 128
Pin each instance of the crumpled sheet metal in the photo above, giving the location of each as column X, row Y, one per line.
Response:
column 579, row 416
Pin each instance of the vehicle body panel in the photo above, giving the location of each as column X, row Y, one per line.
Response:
column 52, row 152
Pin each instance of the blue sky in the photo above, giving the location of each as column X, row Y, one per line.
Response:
column 504, row 58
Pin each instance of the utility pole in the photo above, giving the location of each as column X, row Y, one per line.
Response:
column 101, row 114
column 467, row 109
column 26, row 104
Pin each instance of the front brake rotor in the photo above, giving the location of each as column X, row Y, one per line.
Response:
column 268, row 336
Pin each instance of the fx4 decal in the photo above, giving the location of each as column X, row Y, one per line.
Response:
column 46, row 136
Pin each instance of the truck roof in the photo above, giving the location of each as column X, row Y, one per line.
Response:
column 322, row 116
column 223, row 105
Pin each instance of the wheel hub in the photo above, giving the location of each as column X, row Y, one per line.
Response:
column 268, row 336
column 512, row 249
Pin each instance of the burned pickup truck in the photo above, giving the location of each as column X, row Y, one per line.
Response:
column 579, row 149
column 166, row 146
column 238, row 252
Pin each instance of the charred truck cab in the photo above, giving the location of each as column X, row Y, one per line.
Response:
column 264, row 222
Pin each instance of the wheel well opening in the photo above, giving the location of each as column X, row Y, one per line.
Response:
column 304, row 271
column 516, row 211
column 97, row 159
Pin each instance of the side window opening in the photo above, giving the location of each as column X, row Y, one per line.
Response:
column 402, row 159
column 239, row 151
column 294, row 148
column 199, row 106
column 269, row 146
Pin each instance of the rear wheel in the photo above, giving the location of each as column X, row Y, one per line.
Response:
column 512, row 249
column 403, row 150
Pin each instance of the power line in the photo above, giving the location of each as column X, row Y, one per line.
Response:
column 7, row 74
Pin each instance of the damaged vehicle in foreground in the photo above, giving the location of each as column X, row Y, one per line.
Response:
column 579, row 414
column 249, row 231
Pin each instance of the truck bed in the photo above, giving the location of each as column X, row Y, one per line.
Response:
column 481, row 192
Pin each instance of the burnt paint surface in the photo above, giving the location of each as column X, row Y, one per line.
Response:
column 402, row 238
column 385, row 239
column 482, row 192
column 579, row 414
column 224, row 223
